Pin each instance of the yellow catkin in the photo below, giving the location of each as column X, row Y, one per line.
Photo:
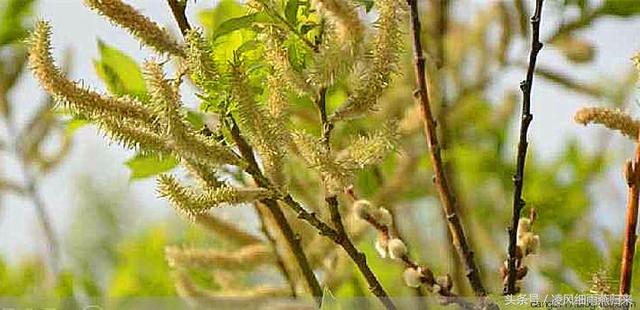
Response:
column 376, row 72
column 343, row 13
column 69, row 93
column 226, row 229
column 147, row 31
column 611, row 118
column 188, row 143
column 191, row 203
column 247, row 258
column 200, row 61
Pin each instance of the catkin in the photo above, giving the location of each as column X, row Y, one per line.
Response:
column 611, row 118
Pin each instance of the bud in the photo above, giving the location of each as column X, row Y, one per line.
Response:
column 397, row 248
column 412, row 277
column 382, row 216
column 362, row 208
column 524, row 225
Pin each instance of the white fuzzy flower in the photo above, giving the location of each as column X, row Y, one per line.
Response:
column 397, row 248
column 412, row 277
column 524, row 226
column 382, row 216
column 382, row 248
column 362, row 208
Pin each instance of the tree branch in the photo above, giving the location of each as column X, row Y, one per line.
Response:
column 525, row 121
column 292, row 239
column 358, row 257
column 444, row 191
column 632, row 175
column 178, row 9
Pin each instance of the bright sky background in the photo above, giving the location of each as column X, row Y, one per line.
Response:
column 77, row 28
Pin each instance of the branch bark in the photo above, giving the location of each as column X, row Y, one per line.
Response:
column 178, row 9
column 525, row 121
column 292, row 239
column 632, row 175
column 444, row 190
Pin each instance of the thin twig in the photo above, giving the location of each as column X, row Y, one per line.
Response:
column 341, row 236
column 632, row 175
column 178, row 9
column 292, row 239
column 525, row 120
column 444, row 190
column 279, row 259
column 31, row 190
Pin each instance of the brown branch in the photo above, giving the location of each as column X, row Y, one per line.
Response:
column 525, row 121
column 292, row 239
column 358, row 257
column 632, row 175
column 444, row 190
column 178, row 9
column 279, row 259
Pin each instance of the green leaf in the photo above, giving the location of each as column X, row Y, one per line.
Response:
column 620, row 8
column 13, row 20
column 144, row 166
column 235, row 24
column 368, row 4
column 195, row 118
column 73, row 125
column 226, row 9
column 120, row 73
column 291, row 12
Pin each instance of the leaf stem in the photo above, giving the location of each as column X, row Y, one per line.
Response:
column 525, row 121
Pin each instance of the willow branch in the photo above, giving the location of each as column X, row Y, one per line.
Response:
column 279, row 258
column 444, row 190
column 292, row 239
column 178, row 9
column 632, row 175
column 358, row 257
column 525, row 121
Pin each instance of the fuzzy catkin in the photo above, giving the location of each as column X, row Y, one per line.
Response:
column 375, row 74
column 147, row 31
column 69, row 93
column 611, row 118
column 246, row 258
column 191, row 203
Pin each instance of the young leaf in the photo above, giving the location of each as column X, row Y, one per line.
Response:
column 237, row 23
column 119, row 72
column 291, row 12
column 147, row 165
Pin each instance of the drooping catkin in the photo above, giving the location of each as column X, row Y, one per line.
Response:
column 191, row 203
column 147, row 31
column 342, row 41
column 334, row 176
column 611, row 118
column 366, row 151
column 188, row 143
column 247, row 258
column 72, row 95
column 226, row 229
column 269, row 135
column 382, row 61
column 200, row 61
